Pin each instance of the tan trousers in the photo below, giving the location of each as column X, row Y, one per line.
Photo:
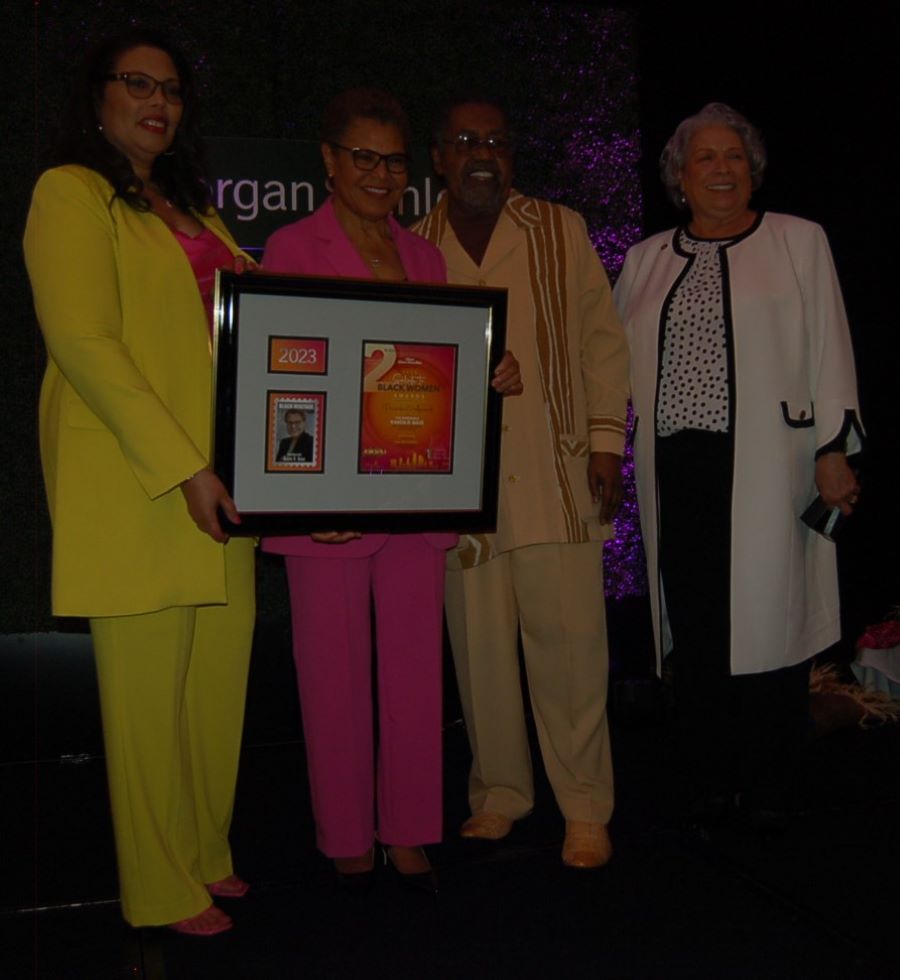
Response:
column 172, row 686
column 554, row 594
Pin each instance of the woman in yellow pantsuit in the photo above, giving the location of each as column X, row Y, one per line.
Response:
column 121, row 247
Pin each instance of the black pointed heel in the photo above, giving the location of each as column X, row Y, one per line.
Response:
column 421, row 882
column 356, row 882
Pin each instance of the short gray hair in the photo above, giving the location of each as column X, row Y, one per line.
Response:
column 671, row 162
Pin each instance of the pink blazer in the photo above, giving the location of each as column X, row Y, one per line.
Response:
column 318, row 246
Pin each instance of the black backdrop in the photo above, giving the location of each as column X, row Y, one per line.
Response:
column 818, row 81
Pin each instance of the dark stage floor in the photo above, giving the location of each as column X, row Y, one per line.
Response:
column 818, row 901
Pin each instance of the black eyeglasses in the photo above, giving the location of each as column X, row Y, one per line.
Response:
column 468, row 143
column 397, row 163
column 142, row 86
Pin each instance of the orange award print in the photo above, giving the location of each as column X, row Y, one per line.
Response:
column 408, row 408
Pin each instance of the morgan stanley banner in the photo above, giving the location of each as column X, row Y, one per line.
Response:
column 260, row 185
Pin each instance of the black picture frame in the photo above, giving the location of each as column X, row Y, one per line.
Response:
column 444, row 343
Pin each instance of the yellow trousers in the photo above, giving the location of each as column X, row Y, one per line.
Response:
column 172, row 689
column 553, row 593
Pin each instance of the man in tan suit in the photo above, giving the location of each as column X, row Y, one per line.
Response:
column 541, row 572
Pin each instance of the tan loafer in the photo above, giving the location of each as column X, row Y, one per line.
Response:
column 486, row 825
column 587, row 844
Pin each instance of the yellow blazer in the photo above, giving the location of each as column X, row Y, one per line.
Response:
column 125, row 401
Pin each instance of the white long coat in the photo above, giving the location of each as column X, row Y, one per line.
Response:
column 793, row 392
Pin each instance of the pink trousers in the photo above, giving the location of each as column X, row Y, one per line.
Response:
column 355, row 798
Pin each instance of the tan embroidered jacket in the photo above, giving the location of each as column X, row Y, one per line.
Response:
column 563, row 328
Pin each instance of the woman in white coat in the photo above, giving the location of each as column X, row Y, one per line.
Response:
column 745, row 408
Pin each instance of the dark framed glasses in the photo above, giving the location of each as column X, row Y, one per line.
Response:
column 468, row 143
column 142, row 86
column 397, row 163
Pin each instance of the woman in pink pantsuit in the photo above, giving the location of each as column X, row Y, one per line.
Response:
column 333, row 577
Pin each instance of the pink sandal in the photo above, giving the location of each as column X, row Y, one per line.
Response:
column 209, row 922
column 230, row 887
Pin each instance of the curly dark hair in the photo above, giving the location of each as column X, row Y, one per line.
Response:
column 180, row 173
column 363, row 103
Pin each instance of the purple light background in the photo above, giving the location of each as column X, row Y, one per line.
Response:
column 581, row 131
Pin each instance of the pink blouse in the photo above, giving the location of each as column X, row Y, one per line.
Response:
column 206, row 252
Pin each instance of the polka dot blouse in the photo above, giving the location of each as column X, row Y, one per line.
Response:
column 693, row 390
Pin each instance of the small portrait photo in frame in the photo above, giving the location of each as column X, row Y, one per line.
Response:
column 295, row 432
